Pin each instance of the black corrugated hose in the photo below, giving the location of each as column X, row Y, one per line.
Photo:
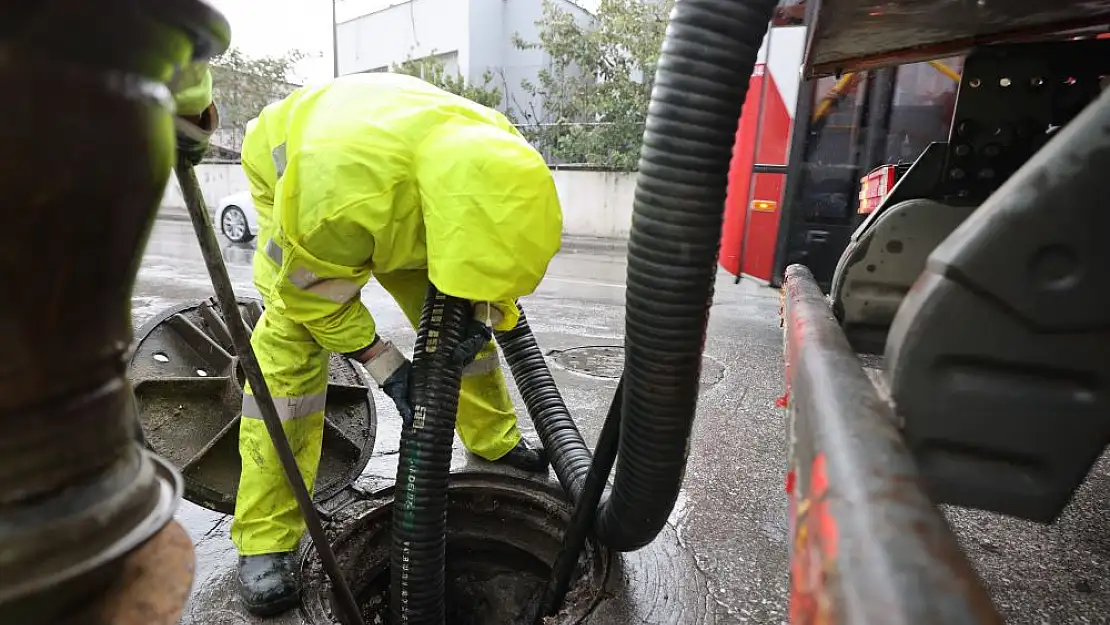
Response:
column 700, row 85
column 418, row 549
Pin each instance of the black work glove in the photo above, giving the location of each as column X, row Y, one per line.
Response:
column 397, row 387
column 476, row 336
column 193, row 134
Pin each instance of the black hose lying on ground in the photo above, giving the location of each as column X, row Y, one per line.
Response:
column 700, row 85
column 418, row 550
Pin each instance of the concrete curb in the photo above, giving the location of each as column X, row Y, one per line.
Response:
column 571, row 244
column 593, row 245
column 176, row 213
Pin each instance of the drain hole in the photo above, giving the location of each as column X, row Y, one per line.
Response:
column 161, row 357
column 488, row 583
column 503, row 535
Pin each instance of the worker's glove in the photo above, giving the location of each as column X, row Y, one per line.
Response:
column 194, row 133
column 397, row 387
column 488, row 318
column 476, row 336
column 390, row 369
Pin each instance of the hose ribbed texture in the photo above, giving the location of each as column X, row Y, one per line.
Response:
column 570, row 457
column 700, row 85
column 419, row 538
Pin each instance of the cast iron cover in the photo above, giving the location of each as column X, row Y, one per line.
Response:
column 188, row 387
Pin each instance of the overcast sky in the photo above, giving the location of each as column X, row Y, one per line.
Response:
column 277, row 26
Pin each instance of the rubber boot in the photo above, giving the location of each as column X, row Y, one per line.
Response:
column 526, row 457
column 269, row 584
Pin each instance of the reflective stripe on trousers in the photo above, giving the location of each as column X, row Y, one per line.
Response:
column 482, row 366
column 287, row 407
column 337, row 290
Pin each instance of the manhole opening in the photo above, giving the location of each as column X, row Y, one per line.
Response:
column 502, row 540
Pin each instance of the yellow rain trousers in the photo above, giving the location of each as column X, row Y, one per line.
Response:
column 386, row 176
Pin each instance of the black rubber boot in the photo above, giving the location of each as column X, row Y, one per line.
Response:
column 526, row 457
column 269, row 584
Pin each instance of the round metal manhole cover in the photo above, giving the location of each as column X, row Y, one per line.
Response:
column 188, row 391
column 607, row 361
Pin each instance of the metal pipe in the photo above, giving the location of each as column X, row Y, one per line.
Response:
column 335, row 41
column 762, row 168
column 77, row 494
column 240, row 337
column 585, row 511
column 947, row 71
column 791, row 211
column 867, row 541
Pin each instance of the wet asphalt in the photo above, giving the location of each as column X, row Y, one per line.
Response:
column 722, row 558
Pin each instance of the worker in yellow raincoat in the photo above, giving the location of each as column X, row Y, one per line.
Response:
column 387, row 176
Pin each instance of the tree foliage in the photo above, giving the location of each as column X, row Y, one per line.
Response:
column 432, row 70
column 243, row 85
column 596, row 88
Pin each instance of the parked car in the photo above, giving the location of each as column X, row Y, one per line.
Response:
column 237, row 217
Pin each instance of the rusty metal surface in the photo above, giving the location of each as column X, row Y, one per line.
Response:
column 152, row 586
column 850, row 35
column 189, row 390
column 62, row 557
column 868, row 545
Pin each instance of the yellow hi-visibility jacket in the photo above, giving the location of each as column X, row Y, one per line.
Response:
column 377, row 173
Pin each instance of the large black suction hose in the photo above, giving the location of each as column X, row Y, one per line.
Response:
column 418, row 550
column 700, row 85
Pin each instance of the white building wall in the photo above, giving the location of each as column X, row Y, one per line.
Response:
column 485, row 25
column 480, row 32
column 416, row 29
column 518, row 65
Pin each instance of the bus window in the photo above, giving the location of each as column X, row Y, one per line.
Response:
column 922, row 108
column 857, row 122
column 832, row 147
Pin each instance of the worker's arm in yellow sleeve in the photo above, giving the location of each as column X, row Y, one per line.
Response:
column 325, row 253
column 197, row 117
column 258, row 165
column 192, row 89
column 323, row 296
column 501, row 316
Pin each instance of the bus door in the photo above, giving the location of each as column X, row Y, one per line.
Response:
column 757, row 173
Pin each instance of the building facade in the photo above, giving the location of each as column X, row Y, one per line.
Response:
column 469, row 37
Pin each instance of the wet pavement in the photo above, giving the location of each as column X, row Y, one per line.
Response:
column 722, row 558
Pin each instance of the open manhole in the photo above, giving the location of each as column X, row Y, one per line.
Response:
column 503, row 535
column 189, row 390
column 607, row 361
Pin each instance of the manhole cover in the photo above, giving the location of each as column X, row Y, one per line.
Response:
column 607, row 361
column 189, row 390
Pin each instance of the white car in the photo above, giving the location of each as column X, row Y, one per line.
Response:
column 237, row 218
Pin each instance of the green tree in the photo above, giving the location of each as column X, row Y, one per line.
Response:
column 596, row 89
column 243, row 85
column 432, row 70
